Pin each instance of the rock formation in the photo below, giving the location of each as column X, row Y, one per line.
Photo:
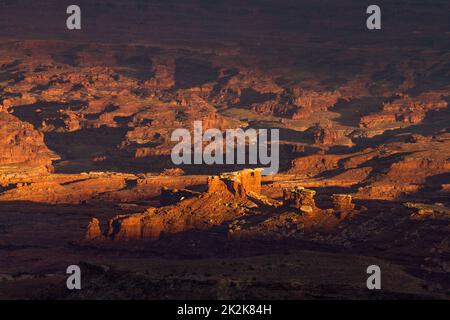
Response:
column 228, row 197
column 324, row 134
column 313, row 101
column 93, row 230
column 342, row 204
column 301, row 199
column 21, row 144
column 240, row 183
column 362, row 122
column 183, row 209
column 422, row 211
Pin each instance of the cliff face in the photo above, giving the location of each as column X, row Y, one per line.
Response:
column 240, row 183
column 21, row 144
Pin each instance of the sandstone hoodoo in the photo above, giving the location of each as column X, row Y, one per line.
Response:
column 93, row 230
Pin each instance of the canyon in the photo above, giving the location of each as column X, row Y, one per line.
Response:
column 86, row 174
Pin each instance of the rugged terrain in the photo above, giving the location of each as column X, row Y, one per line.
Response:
column 86, row 175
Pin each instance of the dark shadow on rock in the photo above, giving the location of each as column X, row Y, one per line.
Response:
column 37, row 112
column 352, row 111
column 193, row 73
